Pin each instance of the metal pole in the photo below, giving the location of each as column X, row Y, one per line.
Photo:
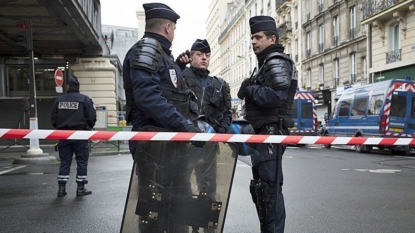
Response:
column 34, row 143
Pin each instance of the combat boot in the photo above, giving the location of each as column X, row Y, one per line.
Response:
column 62, row 190
column 82, row 191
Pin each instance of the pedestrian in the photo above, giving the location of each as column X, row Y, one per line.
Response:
column 214, row 101
column 73, row 111
column 158, row 99
column 269, row 95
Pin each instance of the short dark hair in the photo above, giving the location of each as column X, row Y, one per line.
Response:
column 269, row 34
column 155, row 24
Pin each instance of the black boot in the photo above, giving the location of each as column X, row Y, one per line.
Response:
column 82, row 191
column 62, row 190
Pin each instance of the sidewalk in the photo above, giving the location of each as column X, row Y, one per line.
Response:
column 7, row 155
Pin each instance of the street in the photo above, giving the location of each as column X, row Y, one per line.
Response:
column 326, row 190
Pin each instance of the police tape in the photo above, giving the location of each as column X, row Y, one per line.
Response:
column 207, row 137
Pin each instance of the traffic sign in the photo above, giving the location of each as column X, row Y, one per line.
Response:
column 58, row 77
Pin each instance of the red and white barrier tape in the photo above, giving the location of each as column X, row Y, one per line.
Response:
column 208, row 137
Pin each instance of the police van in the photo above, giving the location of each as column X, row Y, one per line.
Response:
column 383, row 109
column 304, row 114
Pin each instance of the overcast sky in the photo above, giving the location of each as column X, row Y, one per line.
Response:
column 190, row 26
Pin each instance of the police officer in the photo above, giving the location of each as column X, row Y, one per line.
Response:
column 158, row 99
column 73, row 111
column 269, row 95
column 212, row 93
column 214, row 101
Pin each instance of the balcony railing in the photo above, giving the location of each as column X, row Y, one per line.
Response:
column 278, row 3
column 284, row 29
column 321, row 47
column 352, row 33
column 336, row 82
column 335, row 41
column 308, row 16
column 393, row 56
column 371, row 7
column 352, row 78
column 296, row 58
column 308, row 53
column 320, row 7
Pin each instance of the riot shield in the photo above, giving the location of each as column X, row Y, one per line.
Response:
column 176, row 187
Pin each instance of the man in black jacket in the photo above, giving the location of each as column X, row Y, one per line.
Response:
column 269, row 96
column 214, row 101
column 73, row 111
column 213, row 93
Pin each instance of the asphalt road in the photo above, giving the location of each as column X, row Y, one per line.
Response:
column 326, row 190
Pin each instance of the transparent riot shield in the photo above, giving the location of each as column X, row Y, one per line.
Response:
column 176, row 187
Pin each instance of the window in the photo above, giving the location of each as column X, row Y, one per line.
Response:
column 352, row 22
column 336, row 72
column 321, row 37
column 308, row 44
column 308, row 9
column 352, row 68
column 333, row 113
column 375, row 105
column 321, row 81
column 364, row 69
column 306, row 110
column 345, row 107
column 394, row 36
column 359, row 106
column 18, row 80
column 320, row 5
column 413, row 108
column 294, row 111
column 398, row 106
column 309, row 77
column 336, row 31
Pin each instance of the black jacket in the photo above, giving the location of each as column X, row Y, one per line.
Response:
column 73, row 111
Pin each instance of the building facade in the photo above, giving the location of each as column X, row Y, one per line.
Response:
column 233, row 47
column 334, row 49
column 288, row 18
column 236, row 59
column 217, row 11
column 391, row 36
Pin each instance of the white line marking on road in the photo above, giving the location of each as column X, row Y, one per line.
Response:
column 11, row 169
column 386, row 171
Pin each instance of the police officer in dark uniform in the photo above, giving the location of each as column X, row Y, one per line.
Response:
column 269, row 96
column 213, row 93
column 73, row 111
column 158, row 99
column 214, row 101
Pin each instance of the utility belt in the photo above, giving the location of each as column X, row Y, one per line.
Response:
column 273, row 129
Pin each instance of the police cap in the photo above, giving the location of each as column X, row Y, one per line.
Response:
column 201, row 45
column 262, row 23
column 73, row 81
column 160, row 10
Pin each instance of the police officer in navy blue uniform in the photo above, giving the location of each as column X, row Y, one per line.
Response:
column 73, row 111
column 214, row 101
column 269, row 95
column 213, row 93
column 158, row 99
